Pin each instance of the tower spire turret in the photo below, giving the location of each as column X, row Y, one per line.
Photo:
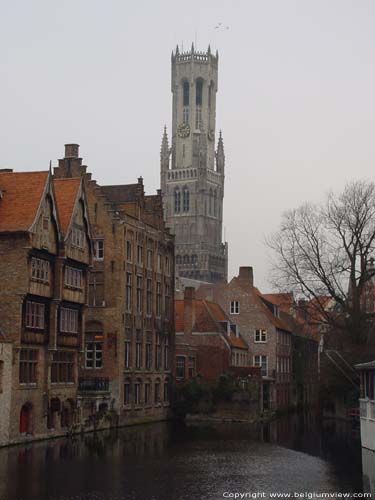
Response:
column 220, row 156
column 164, row 151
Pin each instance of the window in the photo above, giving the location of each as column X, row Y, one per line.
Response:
column 137, row 393
column 263, row 363
column 260, row 335
column 234, row 307
column 157, row 392
column 157, row 352
column 78, row 238
column 98, row 249
column 148, row 351
column 186, row 92
column 180, row 367
column 186, row 200
column 177, row 201
column 191, row 367
column 166, row 302
column 140, row 255
column 199, row 92
column 128, row 292
column 139, row 293
column 149, row 298
column 96, row 289
column 129, row 251
column 62, row 368
column 127, row 393
column 40, row 270
column 73, row 278
column 147, row 393
column 68, row 320
column 138, row 349
column 158, row 299
column 128, row 345
column 167, row 265
column 94, row 352
column 34, row 315
column 166, row 392
column 28, row 366
column 185, row 119
column 159, row 263
column 166, row 352
column 149, row 259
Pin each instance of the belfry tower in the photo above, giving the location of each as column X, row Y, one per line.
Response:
column 192, row 172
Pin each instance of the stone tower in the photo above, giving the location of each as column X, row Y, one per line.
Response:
column 192, row 172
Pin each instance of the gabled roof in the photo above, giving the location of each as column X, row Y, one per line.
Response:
column 237, row 342
column 275, row 320
column 21, row 197
column 284, row 301
column 66, row 192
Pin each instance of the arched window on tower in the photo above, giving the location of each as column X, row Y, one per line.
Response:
column 215, row 203
column 186, row 200
column 198, row 103
column 186, row 102
column 177, row 200
column 210, row 203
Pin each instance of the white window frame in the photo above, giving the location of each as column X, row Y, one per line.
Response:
column 260, row 336
column 260, row 363
column 234, row 307
column 68, row 320
column 35, row 315
column 99, row 249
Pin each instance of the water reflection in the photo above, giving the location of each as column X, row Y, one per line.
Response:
column 169, row 461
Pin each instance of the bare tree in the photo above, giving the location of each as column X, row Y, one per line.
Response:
column 326, row 250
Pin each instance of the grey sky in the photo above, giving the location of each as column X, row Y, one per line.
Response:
column 295, row 101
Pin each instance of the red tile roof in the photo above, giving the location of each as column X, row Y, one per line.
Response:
column 284, row 301
column 275, row 320
column 21, row 196
column 66, row 191
column 237, row 342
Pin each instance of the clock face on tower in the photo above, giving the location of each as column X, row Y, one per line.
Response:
column 183, row 130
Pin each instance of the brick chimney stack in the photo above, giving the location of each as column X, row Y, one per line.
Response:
column 71, row 150
column 71, row 164
column 246, row 275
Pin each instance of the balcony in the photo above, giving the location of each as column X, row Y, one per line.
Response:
column 93, row 384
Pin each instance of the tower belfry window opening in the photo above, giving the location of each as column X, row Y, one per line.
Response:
column 177, row 200
column 186, row 97
column 186, row 200
column 198, row 103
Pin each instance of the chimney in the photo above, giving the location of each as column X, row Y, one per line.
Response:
column 71, row 150
column 246, row 275
column 189, row 295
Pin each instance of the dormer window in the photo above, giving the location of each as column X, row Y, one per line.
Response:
column 78, row 238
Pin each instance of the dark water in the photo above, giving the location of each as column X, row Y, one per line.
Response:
column 176, row 462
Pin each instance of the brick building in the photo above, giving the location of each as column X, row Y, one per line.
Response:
column 269, row 338
column 127, row 370
column 45, row 251
column 208, row 344
column 6, row 354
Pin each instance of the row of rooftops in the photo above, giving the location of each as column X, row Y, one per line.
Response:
column 22, row 195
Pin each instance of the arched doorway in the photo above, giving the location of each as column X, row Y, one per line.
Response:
column 26, row 419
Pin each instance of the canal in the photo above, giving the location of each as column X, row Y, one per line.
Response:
column 168, row 461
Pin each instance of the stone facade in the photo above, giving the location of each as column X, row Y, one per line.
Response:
column 127, row 371
column 192, row 172
column 45, row 251
column 6, row 355
column 259, row 323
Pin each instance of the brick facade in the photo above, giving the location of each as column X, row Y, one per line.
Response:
column 127, row 371
column 259, row 323
column 207, row 344
column 44, row 243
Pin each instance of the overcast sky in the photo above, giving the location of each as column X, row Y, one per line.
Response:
column 295, row 100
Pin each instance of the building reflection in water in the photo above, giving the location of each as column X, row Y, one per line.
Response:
column 128, row 462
